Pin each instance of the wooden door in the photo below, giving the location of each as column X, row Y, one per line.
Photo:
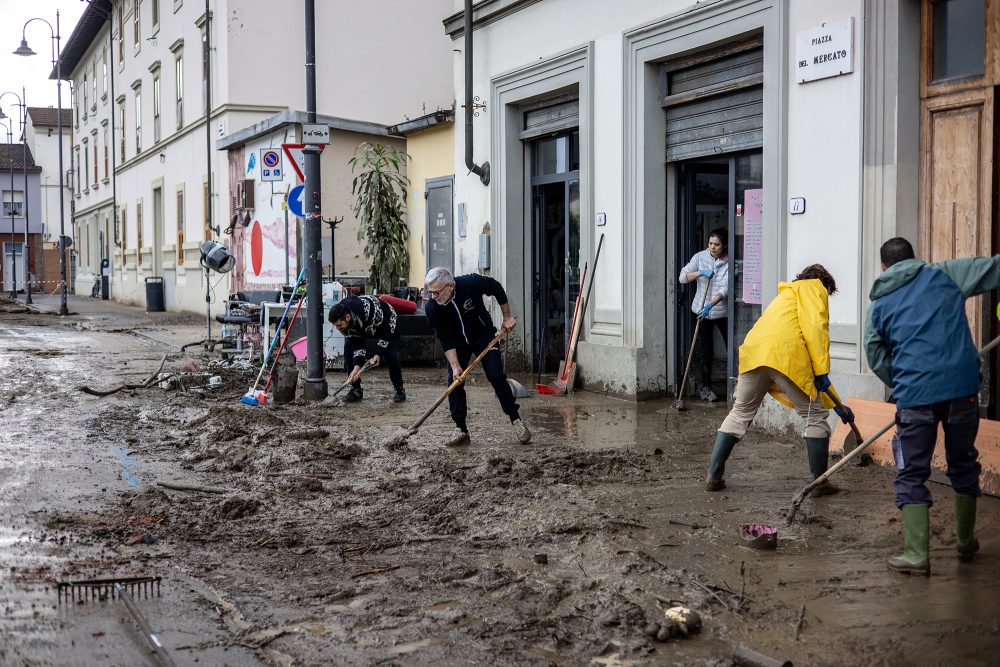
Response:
column 956, row 210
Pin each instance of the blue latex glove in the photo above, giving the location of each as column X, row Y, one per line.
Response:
column 705, row 311
column 706, row 273
column 822, row 382
column 845, row 413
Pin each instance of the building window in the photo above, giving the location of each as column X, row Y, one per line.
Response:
column 85, row 105
column 180, row 226
column 124, row 227
column 204, row 71
column 121, row 33
column 179, row 88
column 104, row 74
column 138, row 120
column 93, row 84
column 959, row 31
column 13, row 203
column 106, row 151
column 204, row 211
column 156, row 109
column 76, row 159
column 121, row 137
column 136, row 32
column 138, row 233
column 76, row 108
column 86, row 159
column 95, row 160
column 154, row 6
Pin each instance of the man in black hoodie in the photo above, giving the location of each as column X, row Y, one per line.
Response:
column 371, row 331
column 458, row 316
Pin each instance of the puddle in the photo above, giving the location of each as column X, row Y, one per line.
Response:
column 130, row 466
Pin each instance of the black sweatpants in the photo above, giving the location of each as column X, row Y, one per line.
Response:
column 492, row 365
column 389, row 358
column 706, row 345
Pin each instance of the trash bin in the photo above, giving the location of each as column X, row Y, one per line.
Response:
column 154, row 295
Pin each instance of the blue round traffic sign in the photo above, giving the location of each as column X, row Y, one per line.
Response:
column 295, row 203
column 271, row 158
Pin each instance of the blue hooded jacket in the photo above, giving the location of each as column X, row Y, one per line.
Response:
column 917, row 337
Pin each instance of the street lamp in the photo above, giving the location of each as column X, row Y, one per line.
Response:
column 24, row 166
column 25, row 50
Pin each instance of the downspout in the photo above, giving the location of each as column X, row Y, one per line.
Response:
column 482, row 171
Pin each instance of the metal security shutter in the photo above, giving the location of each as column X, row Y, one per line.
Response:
column 563, row 115
column 715, row 101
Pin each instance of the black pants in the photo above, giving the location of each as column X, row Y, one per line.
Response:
column 706, row 345
column 388, row 358
column 492, row 365
column 913, row 447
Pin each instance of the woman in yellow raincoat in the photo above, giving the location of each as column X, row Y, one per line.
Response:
column 786, row 354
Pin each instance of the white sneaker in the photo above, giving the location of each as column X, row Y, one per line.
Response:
column 522, row 432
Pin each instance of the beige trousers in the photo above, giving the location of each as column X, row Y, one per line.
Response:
column 750, row 390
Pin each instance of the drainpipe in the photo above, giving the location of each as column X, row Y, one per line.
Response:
column 482, row 171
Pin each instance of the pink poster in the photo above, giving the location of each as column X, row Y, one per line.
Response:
column 753, row 241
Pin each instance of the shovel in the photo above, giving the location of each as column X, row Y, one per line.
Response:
column 801, row 495
column 368, row 364
column 400, row 440
column 679, row 403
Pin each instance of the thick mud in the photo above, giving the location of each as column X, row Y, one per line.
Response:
column 306, row 541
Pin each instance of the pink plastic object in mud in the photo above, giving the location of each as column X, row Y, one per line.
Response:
column 759, row 535
column 299, row 350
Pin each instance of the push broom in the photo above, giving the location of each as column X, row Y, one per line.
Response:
column 252, row 397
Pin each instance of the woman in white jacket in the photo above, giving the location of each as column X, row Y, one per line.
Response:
column 710, row 267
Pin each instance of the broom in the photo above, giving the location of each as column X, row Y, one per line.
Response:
column 252, row 397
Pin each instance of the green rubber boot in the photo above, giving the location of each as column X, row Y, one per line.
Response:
column 916, row 538
column 965, row 526
column 724, row 443
column 818, row 451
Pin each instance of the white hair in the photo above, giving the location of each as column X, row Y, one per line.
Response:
column 438, row 274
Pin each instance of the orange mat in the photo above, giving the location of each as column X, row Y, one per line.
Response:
column 870, row 416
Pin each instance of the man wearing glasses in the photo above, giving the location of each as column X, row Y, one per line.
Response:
column 457, row 314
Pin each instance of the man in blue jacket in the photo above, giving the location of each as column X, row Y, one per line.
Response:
column 918, row 342
column 457, row 314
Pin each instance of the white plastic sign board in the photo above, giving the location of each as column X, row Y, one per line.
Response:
column 297, row 159
column 316, row 135
column 270, row 165
column 824, row 51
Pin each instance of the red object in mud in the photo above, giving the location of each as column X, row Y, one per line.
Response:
column 401, row 306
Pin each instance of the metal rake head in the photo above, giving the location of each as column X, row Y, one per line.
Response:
column 104, row 589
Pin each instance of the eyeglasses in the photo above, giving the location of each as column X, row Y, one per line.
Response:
column 436, row 292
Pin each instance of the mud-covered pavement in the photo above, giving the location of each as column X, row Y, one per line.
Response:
column 313, row 544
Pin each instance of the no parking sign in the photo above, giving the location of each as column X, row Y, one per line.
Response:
column 270, row 165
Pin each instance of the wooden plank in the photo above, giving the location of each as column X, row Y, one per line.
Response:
column 870, row 416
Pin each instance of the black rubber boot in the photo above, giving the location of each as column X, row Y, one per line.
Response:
column 818, row 451
column 399, row 396
column 724, row 443
column 354, row 395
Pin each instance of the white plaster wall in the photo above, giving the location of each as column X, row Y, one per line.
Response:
column 539, row 32
column 268, row 213
column 44, row 145
column 824, row 162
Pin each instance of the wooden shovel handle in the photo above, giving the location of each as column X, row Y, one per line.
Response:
column 457, row 381
column 694, row 337
column 831, row 392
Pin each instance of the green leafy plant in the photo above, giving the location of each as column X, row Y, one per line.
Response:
column 380, row 198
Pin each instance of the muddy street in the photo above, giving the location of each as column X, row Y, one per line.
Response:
column 290, row 535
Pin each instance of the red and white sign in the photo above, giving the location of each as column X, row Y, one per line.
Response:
column 270, row 165
column 298, row 160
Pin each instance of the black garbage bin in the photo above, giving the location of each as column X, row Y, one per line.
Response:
column 154, row 294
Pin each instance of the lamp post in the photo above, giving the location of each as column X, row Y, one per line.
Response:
column 24, row 166
column 24, row 50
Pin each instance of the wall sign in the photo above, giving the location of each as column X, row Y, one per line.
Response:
column 825, row 51
column 753, row 246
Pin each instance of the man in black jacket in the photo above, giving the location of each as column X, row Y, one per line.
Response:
column 458, row 316
column 371, row 331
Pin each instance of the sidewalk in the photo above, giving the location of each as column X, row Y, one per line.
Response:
column 173, row 329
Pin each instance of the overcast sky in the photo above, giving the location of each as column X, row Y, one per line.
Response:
column 32, row 72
